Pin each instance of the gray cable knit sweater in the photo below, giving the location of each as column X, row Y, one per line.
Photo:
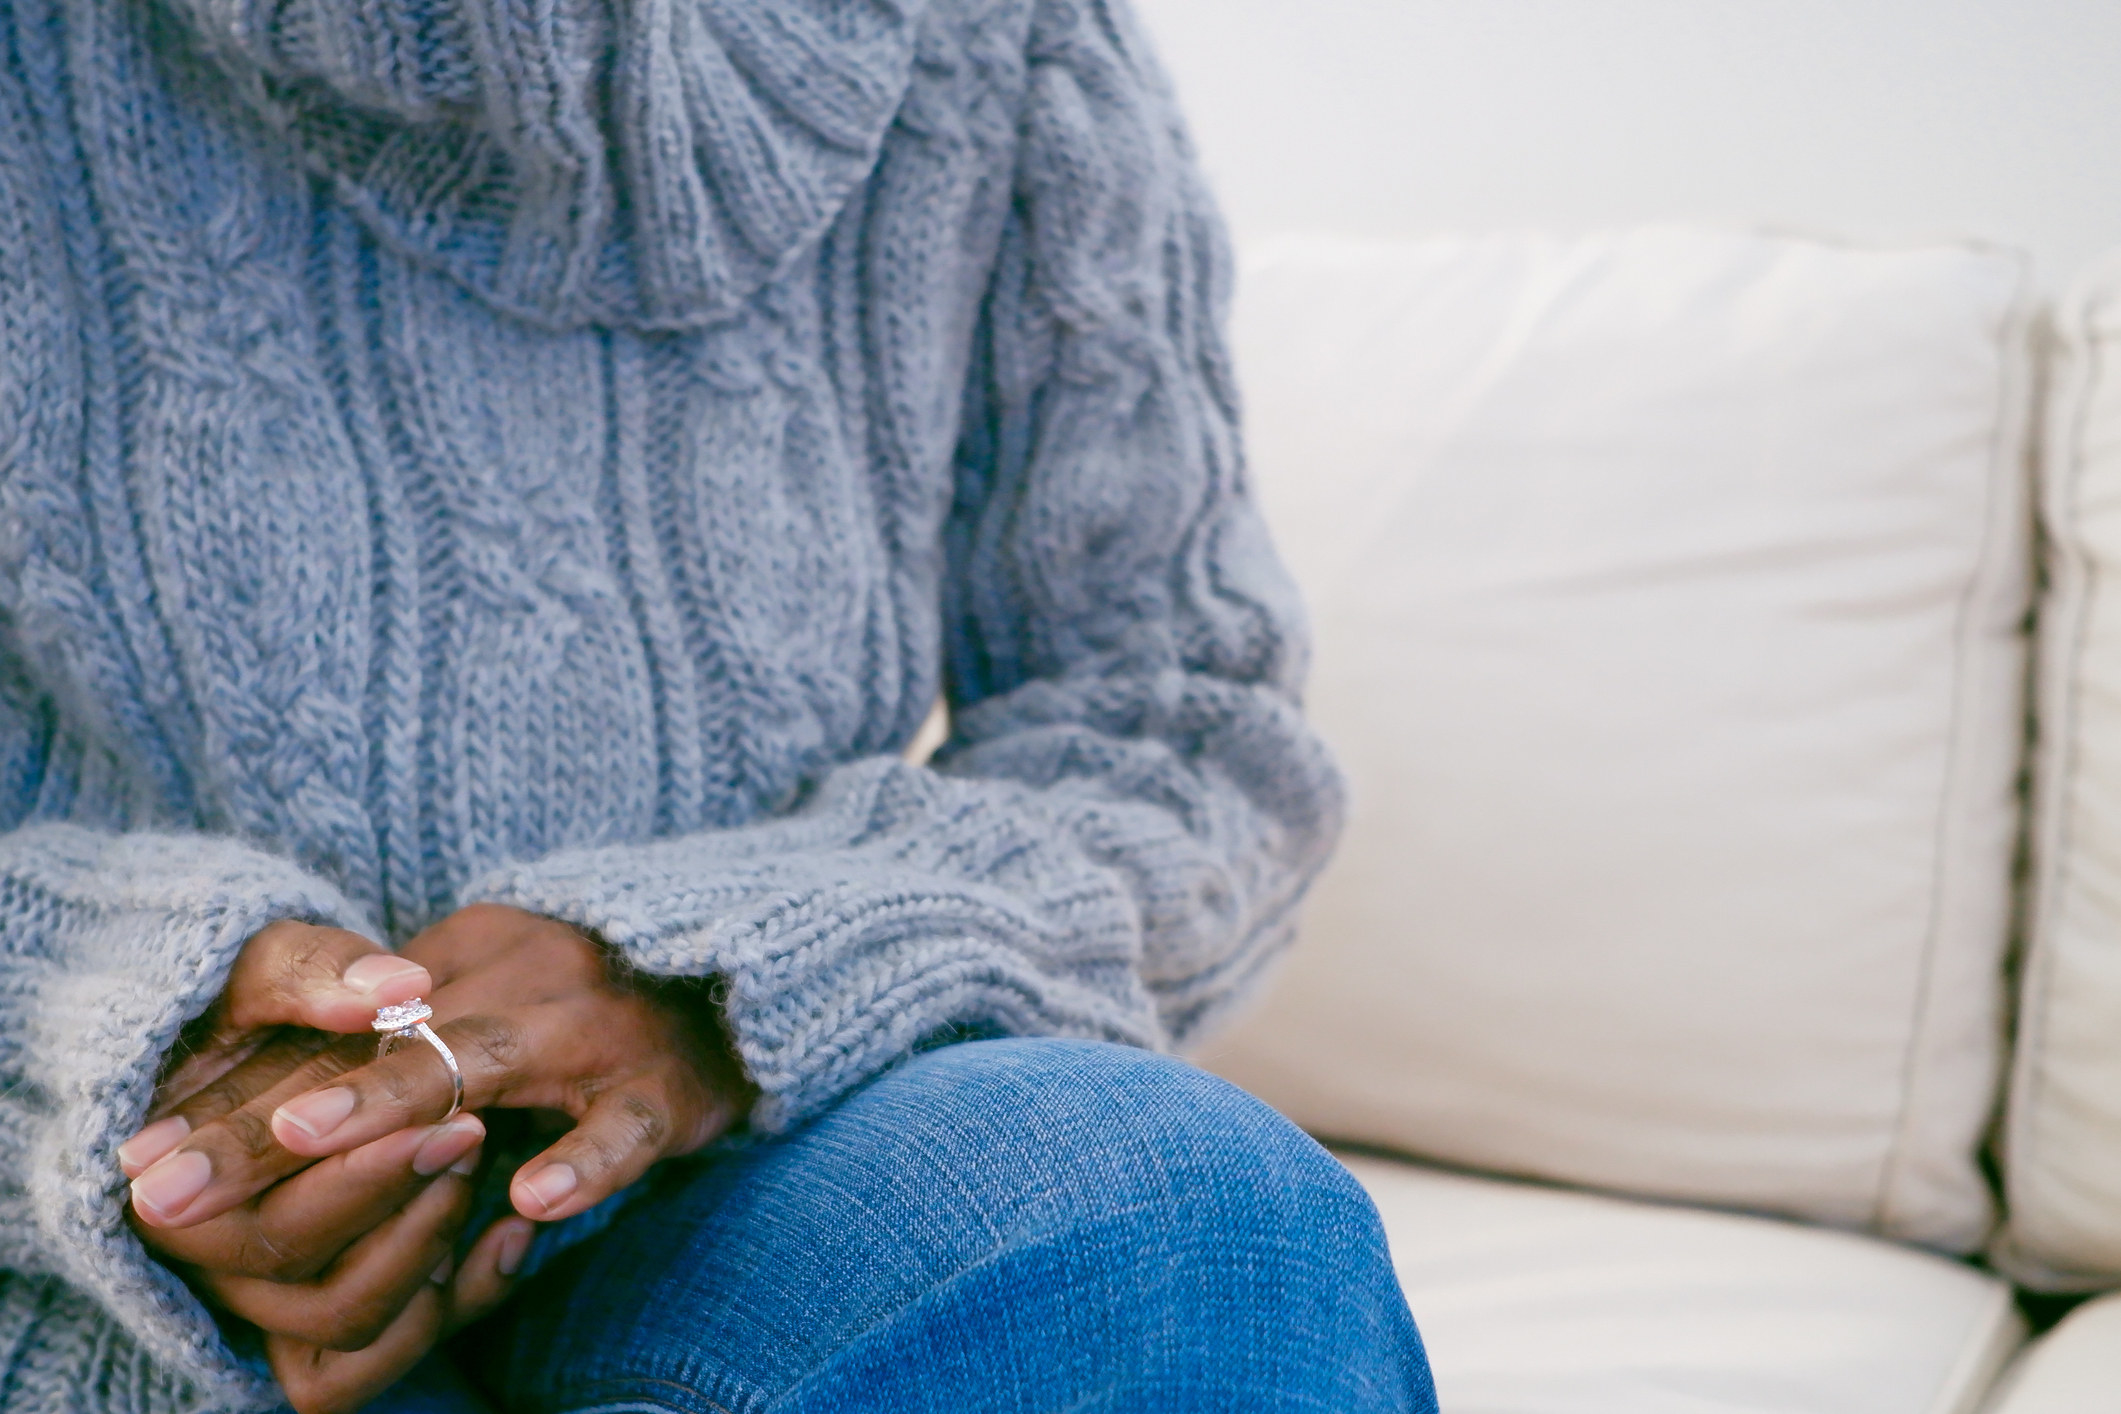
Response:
column 555, row 451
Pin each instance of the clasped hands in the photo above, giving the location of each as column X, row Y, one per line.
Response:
column 306, row 1186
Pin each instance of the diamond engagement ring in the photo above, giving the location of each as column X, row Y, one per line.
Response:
column 410, row 1019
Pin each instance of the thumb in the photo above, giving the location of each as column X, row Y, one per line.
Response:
column 300, row 974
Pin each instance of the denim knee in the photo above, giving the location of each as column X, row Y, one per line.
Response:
column 1204, row 1226
column 993, row 1225
column 1095, row 1129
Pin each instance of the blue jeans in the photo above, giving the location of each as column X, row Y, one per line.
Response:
column 992, row 1226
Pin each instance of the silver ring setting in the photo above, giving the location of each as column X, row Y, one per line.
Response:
column 396, row 1023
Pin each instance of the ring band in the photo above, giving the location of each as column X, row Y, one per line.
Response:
column 410, row 1019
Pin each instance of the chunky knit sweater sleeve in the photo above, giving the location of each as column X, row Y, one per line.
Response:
column 1114, row 839
column 109, row 942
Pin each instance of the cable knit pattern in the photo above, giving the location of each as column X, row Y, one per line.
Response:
column 520, row 146
column 556, row 452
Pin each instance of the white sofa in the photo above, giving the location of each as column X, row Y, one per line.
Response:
column 1683, row 992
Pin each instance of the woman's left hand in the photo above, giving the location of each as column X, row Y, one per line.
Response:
column 539, row 1017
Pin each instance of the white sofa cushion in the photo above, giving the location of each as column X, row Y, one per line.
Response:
column 1541, row 1301
column 2062, row 1138
column 2073, row 1369
column 1668, row 590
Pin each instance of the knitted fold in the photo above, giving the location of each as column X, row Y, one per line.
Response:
column 60, row 1354
column 112, row 943
column 650, row 164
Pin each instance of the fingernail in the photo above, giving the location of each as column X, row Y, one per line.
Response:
column 550, row 1185
column 378, row 970
column 318, row 1113
column 446, row 1145
column 440, row 1275
column 168, row 1188
column 152, row 1143
column 515, row 1246
column 469, row 1164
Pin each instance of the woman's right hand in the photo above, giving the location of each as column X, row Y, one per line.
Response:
column 350, row 1252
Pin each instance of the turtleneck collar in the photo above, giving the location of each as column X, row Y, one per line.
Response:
column 646, row 163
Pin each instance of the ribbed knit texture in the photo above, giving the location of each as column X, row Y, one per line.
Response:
column 554, row 451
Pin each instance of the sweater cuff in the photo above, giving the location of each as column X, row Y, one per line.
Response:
column 58, row 1351
column 120, row 940
column 895, row 905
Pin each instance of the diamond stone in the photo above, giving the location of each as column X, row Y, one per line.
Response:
column 404, row 1014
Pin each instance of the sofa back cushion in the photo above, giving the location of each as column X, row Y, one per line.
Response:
column 2062, row 1132
column 1668, row 590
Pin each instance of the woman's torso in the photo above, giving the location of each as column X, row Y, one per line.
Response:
column 301, row 540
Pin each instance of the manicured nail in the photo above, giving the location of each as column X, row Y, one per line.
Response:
column 440, row 1275
column 318, row 1113
column 167, row 1189
column 448, row 1144
column 515, row 1246
column 550, row 1185
column 378, row 970
column 151, row 1143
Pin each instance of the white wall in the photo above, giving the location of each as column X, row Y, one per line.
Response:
column 1876, row 119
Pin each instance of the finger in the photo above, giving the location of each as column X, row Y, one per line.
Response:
column 363, row 1292
column 323, row 1211
column 318, row 1380
column 152, row 1143
column 214, row 1081
column 298, row 974
column 192, row 1067
column 527, row 1057
column 624, row 1131
column 488, row 1272
column 298, row 1227
column 256, row 1074
column 230, row 1154
column 288, row 975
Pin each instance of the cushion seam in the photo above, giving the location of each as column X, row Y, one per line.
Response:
column 2007, row 465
